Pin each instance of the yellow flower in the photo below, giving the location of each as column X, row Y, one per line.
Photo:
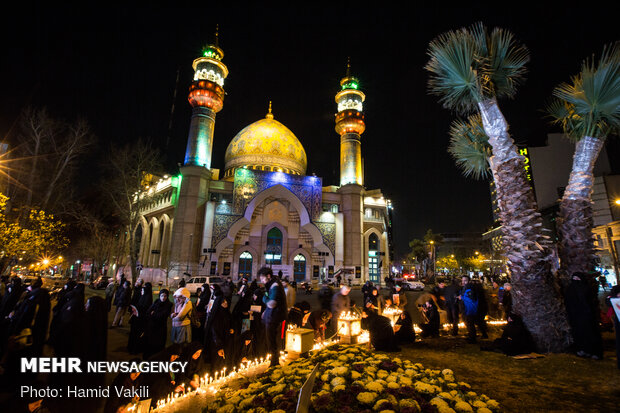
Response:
column 445, row 395
column 325, row 377
column 492, row 404
column 338, row 381
column 382, row 374
column 278, row 388
column 393, row 385
column 403, row 403
column 339, row 371
column 278, row 411
column 355, row 375
column 479, row 404
column 463, row 407
column 439, row 402
column 405, row 381
column 483, row 410
column 366, row 397
column 227, row 408
column 340, row 387
column 379, row 403
column 246, row 403
column 374, row 386
column 421, row 387
column 391, row 377
column 447, row 372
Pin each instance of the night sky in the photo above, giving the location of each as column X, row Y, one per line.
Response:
column 118, row 69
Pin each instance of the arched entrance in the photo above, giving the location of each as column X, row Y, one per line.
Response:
column 273, row 252
column 245, row 265
column 299, row 268
column 373, row 258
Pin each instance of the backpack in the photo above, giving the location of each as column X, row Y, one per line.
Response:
column 470, row 302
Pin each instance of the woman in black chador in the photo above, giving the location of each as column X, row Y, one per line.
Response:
column 160, row 385
column 138, row 319
column 245, row 348
column 96, row 329
column 405, row 334
column 69, row 342
column 219, row 336
column 196, row 364
column 156, row 331
column 380, row 329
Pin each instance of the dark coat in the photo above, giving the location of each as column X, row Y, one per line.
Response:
column 406, row 333
column 138, row 322
column 582, row 317
column 70, row 340
column 381, row 332
column 123, row 296
column 156, row 332
column 33, row 312
column 275, row 300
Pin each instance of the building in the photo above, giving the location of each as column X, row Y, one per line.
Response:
column 551, row 166
column 263, row 210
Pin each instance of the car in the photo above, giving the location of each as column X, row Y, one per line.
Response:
column 412, row 285
column 194, row 283
column 100, row 283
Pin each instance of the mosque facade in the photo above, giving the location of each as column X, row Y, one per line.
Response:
column 262, row 209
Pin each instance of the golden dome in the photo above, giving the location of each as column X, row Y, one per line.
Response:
column 266, row 145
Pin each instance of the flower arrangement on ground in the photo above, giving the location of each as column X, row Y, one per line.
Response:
column 353, row 379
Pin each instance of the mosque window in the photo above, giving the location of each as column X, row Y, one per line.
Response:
column 373, row 242
column 273, row 253
column 245, row 265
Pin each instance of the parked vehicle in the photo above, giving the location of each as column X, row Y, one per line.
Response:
column 194, row 283
column 100, row 282
column 412, row 285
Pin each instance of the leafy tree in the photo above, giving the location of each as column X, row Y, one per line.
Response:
column 31, row 238
column 470, row 69
column 588, row 109
column 448, row 262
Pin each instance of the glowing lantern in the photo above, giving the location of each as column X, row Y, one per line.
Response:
column 349, row 327
column 299, row 341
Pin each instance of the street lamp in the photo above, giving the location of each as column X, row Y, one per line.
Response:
column 433, row 254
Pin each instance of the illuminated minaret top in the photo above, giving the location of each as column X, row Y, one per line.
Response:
column 206, row 95
column 350, row 125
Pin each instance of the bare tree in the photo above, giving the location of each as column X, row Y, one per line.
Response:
column 131, row 169
column 50, row 150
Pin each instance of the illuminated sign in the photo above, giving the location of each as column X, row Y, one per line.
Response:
column 526, row 161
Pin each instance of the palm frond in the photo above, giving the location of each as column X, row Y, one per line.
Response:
column 502, row 61
column 593, row 97
column 452, row 66
column 469, row 146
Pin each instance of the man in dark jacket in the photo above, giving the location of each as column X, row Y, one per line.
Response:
column 121, row 301
column 274, row 316
column 582, row 311
column 450, row 294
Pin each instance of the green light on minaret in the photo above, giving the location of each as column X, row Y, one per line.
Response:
column 350, row 85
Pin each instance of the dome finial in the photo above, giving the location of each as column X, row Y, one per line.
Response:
column 217, row 35
column 269, row 114
column 348, row 67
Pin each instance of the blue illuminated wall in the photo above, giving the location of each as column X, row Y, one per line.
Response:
column 248, row 183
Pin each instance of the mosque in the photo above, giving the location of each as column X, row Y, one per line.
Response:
column 263, row 210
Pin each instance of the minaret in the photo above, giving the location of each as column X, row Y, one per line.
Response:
column 350, row 125
column 206, row 95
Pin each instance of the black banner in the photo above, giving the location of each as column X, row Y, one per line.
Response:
column 358, row 272
column 315, row 271
column 226, row 269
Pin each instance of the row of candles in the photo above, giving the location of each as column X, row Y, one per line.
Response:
column 212, row 384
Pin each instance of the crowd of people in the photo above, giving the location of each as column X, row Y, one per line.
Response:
column 212, row 333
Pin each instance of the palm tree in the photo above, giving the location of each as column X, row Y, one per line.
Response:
column 469, row 70
column 588, row 109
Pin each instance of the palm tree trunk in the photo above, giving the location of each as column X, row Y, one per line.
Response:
column 575, row 221
column 536, row 295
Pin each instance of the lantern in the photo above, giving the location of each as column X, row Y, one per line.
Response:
column 299, row 341
column 349, row 327
column 392, row 313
